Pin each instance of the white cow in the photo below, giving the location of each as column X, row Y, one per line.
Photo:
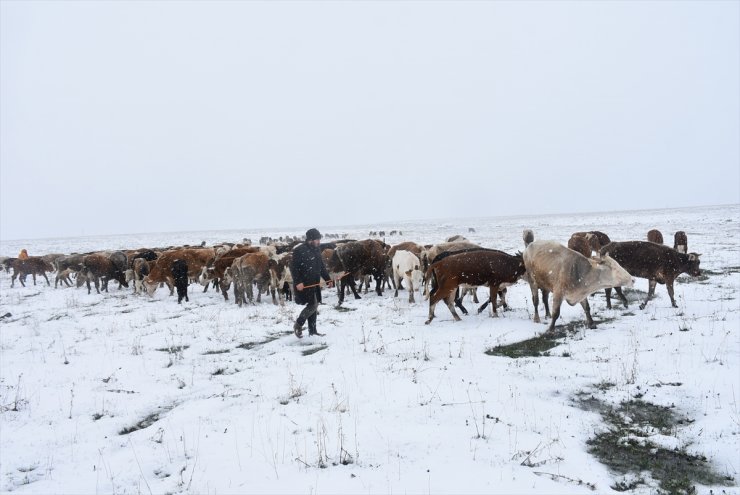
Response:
column 570, row 276
column 407, row 266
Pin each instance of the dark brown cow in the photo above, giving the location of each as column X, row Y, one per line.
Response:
column 161, row 272
column 33, row 265
column 655, row 236
column 99, row 267
column 366, row 257
column 474, row 267
column 602, row 237
column 680, row 242
column 252, row 268
column 655, row 262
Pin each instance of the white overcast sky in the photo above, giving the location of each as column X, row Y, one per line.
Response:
column 138, row 116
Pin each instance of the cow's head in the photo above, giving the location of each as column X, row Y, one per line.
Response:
column 693, row 265
column 616, row 276
column 150, row 286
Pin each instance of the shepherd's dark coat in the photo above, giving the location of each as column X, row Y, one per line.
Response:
column 307, row 268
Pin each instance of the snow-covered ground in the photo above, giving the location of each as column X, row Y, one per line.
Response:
column 223, row 399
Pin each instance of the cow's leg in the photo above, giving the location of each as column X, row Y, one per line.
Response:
column 474, row 290
column 621, row 295
column 484, row 306
column 171, row 285
column 450, row 300
column 651, row 291
column 208, row 284
column 224, row 289
column 378, row 284
column 608, row 294
column 546, row 302
column 535, row 300
column 492, row 297
column 34, row 278
column 87, row 280
column 97, row 284
column 458, row 301
column 49, row 283
column 587, row 309
column 353, row 287
column 669, row 286
column 557, row 301
column 412, row 289
column 396, row 282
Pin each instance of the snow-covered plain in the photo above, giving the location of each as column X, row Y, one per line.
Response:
column 225, row 399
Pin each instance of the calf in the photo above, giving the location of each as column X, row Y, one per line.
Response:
column 180, row 276
column 655, row 262
column 407, row 266
column 570, row 276
column 72, row 262
column 139, row 272
column 680, row 242
column 482, row 267
column 655, row 236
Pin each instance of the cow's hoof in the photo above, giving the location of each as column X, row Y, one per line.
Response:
column 642, row 306
column 592, row 325
column 428, row 321
column 357, row 297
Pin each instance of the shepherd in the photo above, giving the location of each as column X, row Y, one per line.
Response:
column 308, row 269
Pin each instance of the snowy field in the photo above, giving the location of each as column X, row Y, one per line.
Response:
column 118, row 393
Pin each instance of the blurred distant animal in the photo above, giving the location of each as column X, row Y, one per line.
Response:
column 655, row 236
column 680, row 242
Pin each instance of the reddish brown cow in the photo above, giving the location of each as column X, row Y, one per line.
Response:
column 584, row 244
column 473, row 267
column 161, row 272
column 655, row 236
column 602, row 237
column 216, row 270
column 33, row 265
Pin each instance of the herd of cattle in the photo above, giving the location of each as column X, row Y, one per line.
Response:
column 447, row 271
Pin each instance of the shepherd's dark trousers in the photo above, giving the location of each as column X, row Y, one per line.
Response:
column 309, row 313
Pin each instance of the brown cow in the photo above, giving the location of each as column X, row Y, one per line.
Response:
column 474, row 267
column 655, row 236
column 33, row 265
column 680, row 242
column 161, row 272
column 585, row 244
column 655, row 262
column 600, row 236
column 570, row 276
column 252, row 268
